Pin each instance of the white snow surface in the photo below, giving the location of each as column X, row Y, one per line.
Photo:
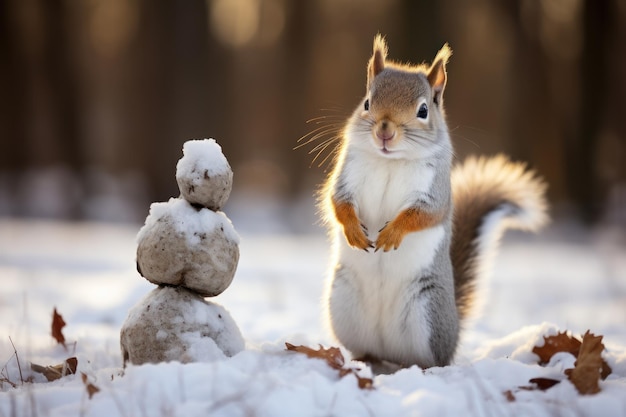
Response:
column 564, row 279
column 188, row 220
column 199, row 156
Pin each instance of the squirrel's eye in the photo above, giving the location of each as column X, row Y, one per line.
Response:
column 367, row 105
column 422, row 112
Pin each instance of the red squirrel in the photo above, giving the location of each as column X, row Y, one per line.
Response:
column 411, row 233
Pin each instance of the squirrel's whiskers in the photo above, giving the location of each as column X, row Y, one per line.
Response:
column 327, row 135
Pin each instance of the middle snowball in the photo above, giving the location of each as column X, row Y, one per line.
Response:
column 181, row 245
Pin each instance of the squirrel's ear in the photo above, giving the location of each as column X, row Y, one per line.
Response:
column 377, row 61
column 437, row 72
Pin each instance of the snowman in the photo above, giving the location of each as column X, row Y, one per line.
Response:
column 189, row 248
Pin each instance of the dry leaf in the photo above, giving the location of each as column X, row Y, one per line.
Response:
column 587, row 369
column 55, row 372
column 508, row 394
column 91, row 388
column 57, row 325
column 364, row 383
column 334, row 359
column 544, row 383
column 562, row 342
column 332, row 355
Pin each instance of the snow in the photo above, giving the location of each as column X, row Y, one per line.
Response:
column 199, row 156
column 564, row 279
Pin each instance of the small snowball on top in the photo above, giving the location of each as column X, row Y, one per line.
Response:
column 203, row 174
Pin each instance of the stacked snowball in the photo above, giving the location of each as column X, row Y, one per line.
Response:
column 190, row 250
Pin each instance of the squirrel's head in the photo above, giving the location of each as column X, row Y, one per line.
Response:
column 402, row 111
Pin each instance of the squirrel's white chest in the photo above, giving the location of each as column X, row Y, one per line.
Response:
column 382, row 188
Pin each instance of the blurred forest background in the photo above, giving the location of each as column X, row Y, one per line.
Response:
column 98, row 96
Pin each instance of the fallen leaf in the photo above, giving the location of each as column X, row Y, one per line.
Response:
column 57, row 325
column 334, row 359
column 55, row 372
column 508, row 394
column 91, row 388
column 589, row 365
column 544, row 383
column 562, row 342
column 332, row 355
column 364, row 383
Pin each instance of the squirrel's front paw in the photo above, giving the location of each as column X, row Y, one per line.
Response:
column 357, row 238
column 389, row 237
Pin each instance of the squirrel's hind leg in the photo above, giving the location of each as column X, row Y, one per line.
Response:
column 348, row 314
column 429, row 321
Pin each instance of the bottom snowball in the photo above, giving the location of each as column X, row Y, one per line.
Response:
column 175, row 324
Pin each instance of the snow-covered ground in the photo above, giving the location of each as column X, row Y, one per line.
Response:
column 565, row 278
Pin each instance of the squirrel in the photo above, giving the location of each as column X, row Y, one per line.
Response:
column 411, row 232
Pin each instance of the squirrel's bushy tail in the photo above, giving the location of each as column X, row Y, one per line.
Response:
column 490, row 195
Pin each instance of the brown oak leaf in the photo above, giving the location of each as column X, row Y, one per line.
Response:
column 562, row 342
column 544, row 383
column 332, row 355
column 589, row 366
column 334, row 359
column 91, row 388
column 57, row 326
column 55, row 372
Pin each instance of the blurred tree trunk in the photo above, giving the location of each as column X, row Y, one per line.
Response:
column 62, row 82
column 614, row 148
column 537, row 129
column 13, row 138
column 422, row 25
column 202, row 102
column 587, row 189
column 297, row 73
column 40, row 102
column 150, row 96
column 178, row 89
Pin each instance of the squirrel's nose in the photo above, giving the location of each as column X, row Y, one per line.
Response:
column 385, row 131
column 385, row 134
